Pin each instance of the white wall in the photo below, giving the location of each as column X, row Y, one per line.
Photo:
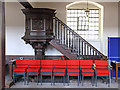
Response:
column 15, row 27
column 110, row 24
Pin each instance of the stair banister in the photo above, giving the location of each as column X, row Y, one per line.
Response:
column 68, row 37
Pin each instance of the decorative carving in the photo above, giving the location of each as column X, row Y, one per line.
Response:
column 37, row 24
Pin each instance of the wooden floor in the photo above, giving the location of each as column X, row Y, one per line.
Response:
column 73, row 83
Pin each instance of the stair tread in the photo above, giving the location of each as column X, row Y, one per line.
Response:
column 66, row 52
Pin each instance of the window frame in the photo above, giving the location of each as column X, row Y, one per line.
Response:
column 97, row 22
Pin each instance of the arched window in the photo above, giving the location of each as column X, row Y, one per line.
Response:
column 87, row 26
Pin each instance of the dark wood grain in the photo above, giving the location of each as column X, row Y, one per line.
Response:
column 25, row 3
column 39, row 29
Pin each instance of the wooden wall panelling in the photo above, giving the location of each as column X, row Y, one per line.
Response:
column 2, row 45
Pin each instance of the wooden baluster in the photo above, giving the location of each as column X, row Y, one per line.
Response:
column 96, row 54
column 55, row 29
column 82, row 48
column 64, row 35
column 79, row 46
column 58, row 28
column 87, row 50
column 61, row 34
column 93, row 54
column 72, row 42
column 90, row 51
column 69, row 38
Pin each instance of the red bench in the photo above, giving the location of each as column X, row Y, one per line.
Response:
column 55, row 68
column 86, row 69
column 102, row 70
column 33, row 69
column 73, row 69
column 59, row 69
column 46, row 68
column 21, row 67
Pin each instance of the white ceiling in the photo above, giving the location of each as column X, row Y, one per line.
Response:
column 72, row 0
column 63, row 0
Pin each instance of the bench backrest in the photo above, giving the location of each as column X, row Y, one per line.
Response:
column 21, row 63
column 86, row 64
column 101, row 64
column 59, row 64
column 27, row 63
column 33, row 63
column 73, row 64
column 47, row 63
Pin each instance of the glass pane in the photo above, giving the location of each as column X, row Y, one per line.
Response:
column 88, row 28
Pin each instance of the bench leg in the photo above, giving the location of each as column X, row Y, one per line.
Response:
column 64, row 80
column 78, row 79
column 96, row 80
column 82, row 80
column 92, row 80
column 24, row 79
column 27, row 79
column 37, row 79
column 51, row 79
column 68, row 79
column 41, row 79
column 109, row 81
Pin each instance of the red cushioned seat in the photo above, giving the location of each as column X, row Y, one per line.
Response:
column 33, row 70
column 101, row 67
column 20, row 69
column 59, row 71
column 87, row 71
column 47, row 67
column 73, row 70
column 102, row 74
column 30, row 73
column 59, row 74
column 85, row 66
column 46, row 71
column 73, row 67
column 87, row 74
column 102, row 71
column 20, row 73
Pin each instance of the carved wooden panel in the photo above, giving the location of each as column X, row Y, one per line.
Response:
column 37, row 24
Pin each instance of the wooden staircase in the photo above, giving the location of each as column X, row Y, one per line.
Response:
column 71, row 44
column 63, row 49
